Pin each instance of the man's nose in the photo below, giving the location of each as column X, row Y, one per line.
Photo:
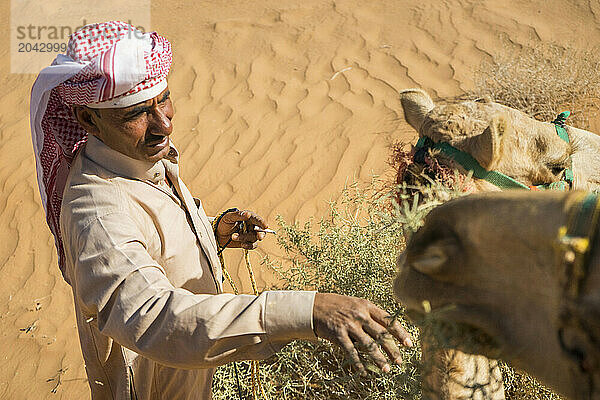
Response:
column 160, row 123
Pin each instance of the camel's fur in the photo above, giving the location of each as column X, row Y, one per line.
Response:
column 506, row 140
column 493, row 256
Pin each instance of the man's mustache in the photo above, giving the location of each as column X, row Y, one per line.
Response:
column 155, row 139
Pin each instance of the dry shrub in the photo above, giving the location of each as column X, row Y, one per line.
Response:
column 415, row 175
column 543, row 81
column 520, row 386
column 351, row 251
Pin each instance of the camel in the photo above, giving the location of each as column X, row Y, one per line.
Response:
column 520, row 273
column 507, row 149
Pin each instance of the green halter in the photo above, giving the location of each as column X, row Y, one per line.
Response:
column 561, row 131
column 496, row 178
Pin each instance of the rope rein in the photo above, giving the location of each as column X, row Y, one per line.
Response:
column 257, row 387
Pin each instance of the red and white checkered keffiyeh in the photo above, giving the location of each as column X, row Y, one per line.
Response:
column 107, row 65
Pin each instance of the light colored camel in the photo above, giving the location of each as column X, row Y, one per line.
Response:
column 501, row 267
column 509, row 142
column 506, row 140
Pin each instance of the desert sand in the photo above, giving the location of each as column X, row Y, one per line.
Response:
column 278, row 105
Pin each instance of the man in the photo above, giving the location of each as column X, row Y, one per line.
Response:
column 138, row 250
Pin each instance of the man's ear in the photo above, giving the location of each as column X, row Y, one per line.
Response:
column 87, row 118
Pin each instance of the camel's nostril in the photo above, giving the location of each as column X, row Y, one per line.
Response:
column 432, row 260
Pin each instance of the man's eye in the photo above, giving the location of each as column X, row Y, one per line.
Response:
column 135, row 115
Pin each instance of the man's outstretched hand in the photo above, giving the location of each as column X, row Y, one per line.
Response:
column 354, row 323
column 229, row 230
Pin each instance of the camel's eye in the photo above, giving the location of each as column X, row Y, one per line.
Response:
column 557, row 169
column 558, row 166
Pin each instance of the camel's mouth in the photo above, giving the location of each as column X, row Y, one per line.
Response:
column 459, row 328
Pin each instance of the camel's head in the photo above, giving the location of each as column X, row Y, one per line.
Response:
column 487, row 264
column 506, row 140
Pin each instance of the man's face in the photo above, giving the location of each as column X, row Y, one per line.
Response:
column 140, row 131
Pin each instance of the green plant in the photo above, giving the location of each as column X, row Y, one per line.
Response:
column 352, row 251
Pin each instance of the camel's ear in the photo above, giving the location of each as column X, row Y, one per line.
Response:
column 432, row 258
column 487, row 147
column 416, row 104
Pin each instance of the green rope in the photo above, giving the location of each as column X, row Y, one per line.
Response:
column 559, row 124
column 469, row 163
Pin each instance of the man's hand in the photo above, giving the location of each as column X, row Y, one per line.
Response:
column 354, row 323
column 229, row 231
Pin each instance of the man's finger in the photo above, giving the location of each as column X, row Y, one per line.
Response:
column 245, row 215
column 371, row 348
column 235, row 216
column 385, row 340
column 392, row 325
column 346, row 344
column 253, row 219
column 249, row 246
column 248, row 236
column 244, row 245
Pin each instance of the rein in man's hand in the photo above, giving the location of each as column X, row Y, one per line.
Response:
column 352, row 323
column 229, row 232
